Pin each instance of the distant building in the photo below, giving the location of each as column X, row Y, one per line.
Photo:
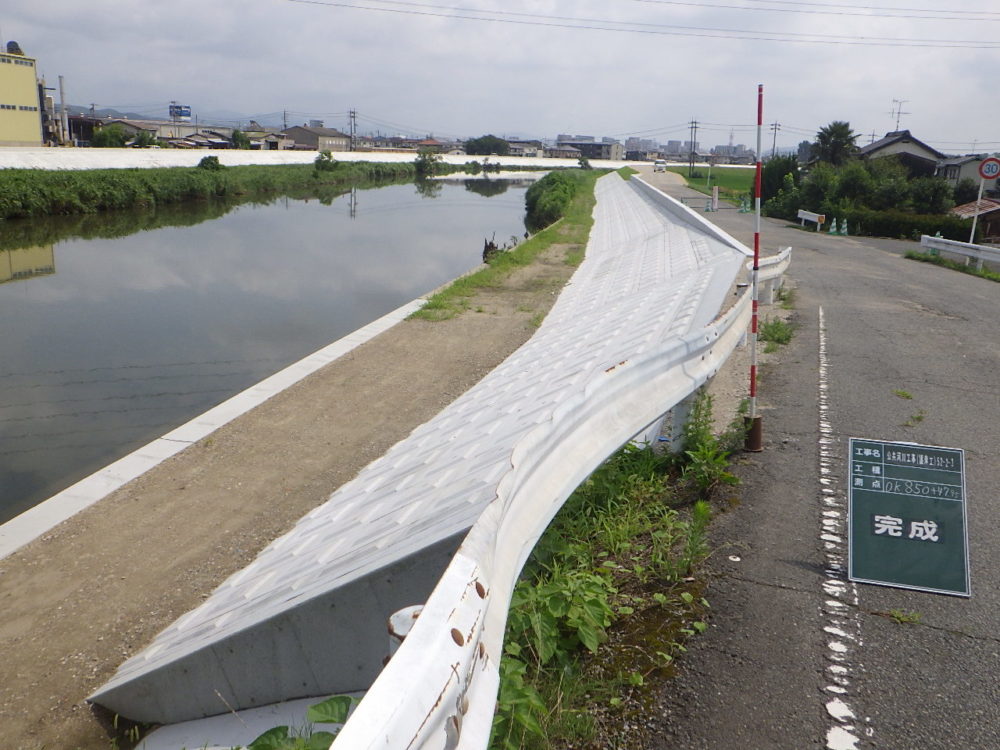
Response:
column 525, row 148
column 318, row 139
column 953, row 170
column 20, row 111
column 592, row 149
column 561, row 151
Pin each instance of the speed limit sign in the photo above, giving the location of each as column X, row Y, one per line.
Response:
column 989, row 168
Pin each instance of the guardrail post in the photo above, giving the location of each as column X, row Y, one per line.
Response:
column 674, row 421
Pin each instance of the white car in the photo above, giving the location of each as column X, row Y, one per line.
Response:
column 660, row 165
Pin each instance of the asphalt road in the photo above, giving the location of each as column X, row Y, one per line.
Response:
column 796, row 656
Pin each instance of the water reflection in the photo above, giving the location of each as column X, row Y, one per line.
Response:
column 135, row 335
column 26, row 262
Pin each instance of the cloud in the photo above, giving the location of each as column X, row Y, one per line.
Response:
column 422, row 71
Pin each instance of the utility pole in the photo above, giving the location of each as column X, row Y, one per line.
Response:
column 354, row 127
column 694, row 147
column 775, row 127
column 284, row 119
column 873, row 137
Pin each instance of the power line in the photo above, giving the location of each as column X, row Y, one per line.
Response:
column 587, row 24
column 847, row 10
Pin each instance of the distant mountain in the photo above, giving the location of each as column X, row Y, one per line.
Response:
column 75, row 109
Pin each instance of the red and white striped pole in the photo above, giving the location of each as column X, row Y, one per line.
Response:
column 755, row 434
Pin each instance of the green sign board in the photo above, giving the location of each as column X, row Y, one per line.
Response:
column 906, row 517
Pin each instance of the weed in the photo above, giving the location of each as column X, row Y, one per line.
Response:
column 607, row 597
column 786, row 298
column 776, row 331
column 903, row 394
column 937, row 260
column 915, row 419
column 902, row 617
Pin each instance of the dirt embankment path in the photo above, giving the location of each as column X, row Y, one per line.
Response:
column 78, row 601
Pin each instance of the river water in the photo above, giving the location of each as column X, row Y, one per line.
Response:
column 108, row 343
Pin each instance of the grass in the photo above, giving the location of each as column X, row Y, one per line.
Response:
column 27, row 193
column 609, row 595
column 733, row 182
column 915, row 419
column 954, row 265
column 902, row 617
column 572, row 230
column 903, row 394
column 774, row 333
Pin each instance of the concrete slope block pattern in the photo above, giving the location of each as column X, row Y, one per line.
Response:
column 633, row 333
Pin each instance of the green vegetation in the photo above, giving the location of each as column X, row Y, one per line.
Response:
column 835, row 143
column 902, row 617
column 903, row 394
column 548, row 199
column 240, row 140
column 573, row 230
column 487, row 145
column 427, row 163
column 31, row 192
column 110, row 136
column 915, row 419
column 774, row 333
column 607, row 599
column 983, row 273
column 333, row 710
column 627, row 172
column 733, row 182
column 877, row 197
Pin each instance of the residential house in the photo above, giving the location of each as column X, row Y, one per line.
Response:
column 957, row 168
column 920, row 159
column 318, row 139
column 561, row 151
column 525, row 148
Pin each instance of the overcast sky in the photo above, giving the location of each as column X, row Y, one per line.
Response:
column 643, row 67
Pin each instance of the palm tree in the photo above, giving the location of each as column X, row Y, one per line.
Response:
column 835, row 143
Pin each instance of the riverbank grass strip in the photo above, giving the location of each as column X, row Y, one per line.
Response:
column 954, row 265
column 571, row 230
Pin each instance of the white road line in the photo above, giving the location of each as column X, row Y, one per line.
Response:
column 842, row 625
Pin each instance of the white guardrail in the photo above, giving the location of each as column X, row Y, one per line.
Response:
column 455, row 646
column 457, row 642
column 631, row 337
column 965, row 249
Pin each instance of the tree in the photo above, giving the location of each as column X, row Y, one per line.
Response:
column 931, row 195
column 855, row 184
column 804, row 151
column 966, row 191
column 240, row 139
column 834, row 143
column 110, row 136
column 772, row 177
column 487, row 145
column 426, row 162
column 144, row 139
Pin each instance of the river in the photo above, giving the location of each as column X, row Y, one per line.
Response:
column 109, row 342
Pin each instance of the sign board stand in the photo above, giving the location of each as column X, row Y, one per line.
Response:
column 906, row 517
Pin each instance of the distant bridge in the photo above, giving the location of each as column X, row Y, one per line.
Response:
column 449, row 515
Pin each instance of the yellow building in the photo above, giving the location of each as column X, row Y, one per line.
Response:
column 20, row 117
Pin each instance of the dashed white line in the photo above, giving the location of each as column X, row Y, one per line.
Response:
column 842, row 622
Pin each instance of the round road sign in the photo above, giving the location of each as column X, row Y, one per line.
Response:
column 989, row 168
